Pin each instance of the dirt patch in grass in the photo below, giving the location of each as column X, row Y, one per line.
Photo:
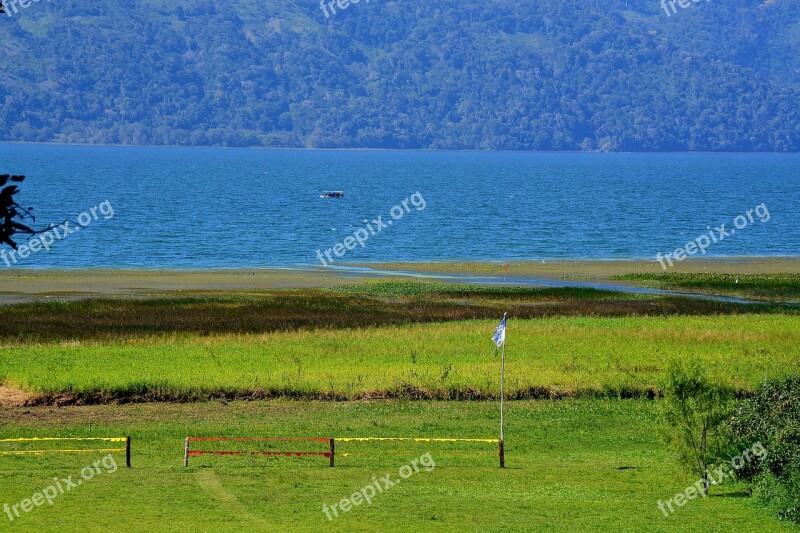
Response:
column 405, row 392
column 41, row 416
column 15, row 398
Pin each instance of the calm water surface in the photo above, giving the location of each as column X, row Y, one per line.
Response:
column 226, row 208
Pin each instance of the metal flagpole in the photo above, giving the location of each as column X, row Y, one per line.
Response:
column 502, row 397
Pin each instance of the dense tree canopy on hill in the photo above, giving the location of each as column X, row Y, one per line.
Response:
column 445, row 74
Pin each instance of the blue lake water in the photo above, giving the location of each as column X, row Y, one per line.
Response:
column 227, row 208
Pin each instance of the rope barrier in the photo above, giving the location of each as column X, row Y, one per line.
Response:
column 42, row 439
column 267, row 439
column 331, row 442
column 295, row 454
column 365, row 439
column 406, row 452
column 42, row 452
column 126, row 449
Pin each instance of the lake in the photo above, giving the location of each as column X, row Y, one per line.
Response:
column 233, row 208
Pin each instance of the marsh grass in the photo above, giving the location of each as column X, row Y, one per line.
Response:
column 777, row 287
column 358, row 306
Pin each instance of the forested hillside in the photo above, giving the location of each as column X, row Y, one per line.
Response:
column 442, row 74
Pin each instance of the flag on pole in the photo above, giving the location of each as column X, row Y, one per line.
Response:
column 500, row 341
column 500, row 333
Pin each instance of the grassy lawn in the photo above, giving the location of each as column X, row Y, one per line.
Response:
column 574, row 465
column 453, row 360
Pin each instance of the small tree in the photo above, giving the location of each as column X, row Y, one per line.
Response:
column 11, row 212
column 694, row 409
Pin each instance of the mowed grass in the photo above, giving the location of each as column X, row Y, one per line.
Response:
column 566, row 356
column 573, row 465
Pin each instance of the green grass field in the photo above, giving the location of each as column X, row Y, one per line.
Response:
column 583, row 445
column 573, row 465
column 560, row 356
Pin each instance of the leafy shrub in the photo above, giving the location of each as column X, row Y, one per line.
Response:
column 772, row 417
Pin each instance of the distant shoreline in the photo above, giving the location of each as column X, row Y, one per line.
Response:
column 357, row 149
column 599, row 269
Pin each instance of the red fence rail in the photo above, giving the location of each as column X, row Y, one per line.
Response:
column 331, row 453
column 188, row 452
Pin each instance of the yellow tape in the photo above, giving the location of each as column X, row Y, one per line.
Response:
column 364, row 439
column 410, row 452
column 42, row 452
column 115, row 439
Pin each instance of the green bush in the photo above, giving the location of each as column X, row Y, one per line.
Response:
column 772, row 417
column 780, row 495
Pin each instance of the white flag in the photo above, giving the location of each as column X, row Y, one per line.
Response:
column 500, row 333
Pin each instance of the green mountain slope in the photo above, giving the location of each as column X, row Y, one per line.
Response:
column 444, row 74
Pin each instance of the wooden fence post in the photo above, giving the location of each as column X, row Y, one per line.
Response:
column 128, row 452
column 333, row 452
column 502, row 455
column 186, row 453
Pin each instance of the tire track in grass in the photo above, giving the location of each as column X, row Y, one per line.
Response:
column 210, row 483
